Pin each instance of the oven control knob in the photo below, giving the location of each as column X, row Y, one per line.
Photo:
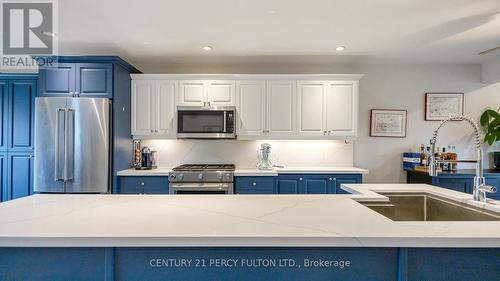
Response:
column 227, row 176
column 219, row 176
column 181, row 176
column 172, row 176
column 200, row 176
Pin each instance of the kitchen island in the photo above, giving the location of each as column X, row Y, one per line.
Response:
column 241, row 237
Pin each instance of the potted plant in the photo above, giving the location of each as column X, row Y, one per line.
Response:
column 490, row 121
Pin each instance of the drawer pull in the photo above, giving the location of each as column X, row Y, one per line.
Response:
column 143, row 184
column 254, row 183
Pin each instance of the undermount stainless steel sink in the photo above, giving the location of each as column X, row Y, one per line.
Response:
column 428, row 207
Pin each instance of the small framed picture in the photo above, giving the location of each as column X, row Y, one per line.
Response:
column 388, row 123
column 439, row 106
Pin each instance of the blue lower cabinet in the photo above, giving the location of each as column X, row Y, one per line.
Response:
column 254, row 185
column 457, row 183
column 20, row 168
column 140, row 185
column 289, row 184
column 296, row 184
column 318, row 184
column 495, row 181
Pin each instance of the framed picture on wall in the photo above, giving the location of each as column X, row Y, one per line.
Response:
column 439, row 106
column 388, row 123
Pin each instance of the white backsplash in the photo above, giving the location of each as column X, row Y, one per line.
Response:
column 290, row 153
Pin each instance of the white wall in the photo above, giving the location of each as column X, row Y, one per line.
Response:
column 383, row 87
column 490, row 69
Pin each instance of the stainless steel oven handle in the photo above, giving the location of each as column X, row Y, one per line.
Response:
column 227, row 187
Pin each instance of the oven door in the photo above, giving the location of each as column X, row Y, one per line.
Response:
column 203, row 123
column 201, row 188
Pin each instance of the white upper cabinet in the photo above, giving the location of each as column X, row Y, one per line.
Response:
column 311, row 107
column 142, row 102
column 281, row 103
column 220, row 92
column 166, row 108
column 318, row 106
column 153, row 108
column 251, row 104
column 207, row 93
column 266, row 109
column 341, row 102
column 193, row 92
column 328, row 108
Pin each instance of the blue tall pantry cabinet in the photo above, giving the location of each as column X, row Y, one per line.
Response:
column 17, row 113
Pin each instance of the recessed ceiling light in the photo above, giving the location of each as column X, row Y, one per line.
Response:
column 207, row 48
column 340, row 48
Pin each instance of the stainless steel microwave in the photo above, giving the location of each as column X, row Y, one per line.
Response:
column 197, row 122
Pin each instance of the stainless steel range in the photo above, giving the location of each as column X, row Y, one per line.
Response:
column 202, row 179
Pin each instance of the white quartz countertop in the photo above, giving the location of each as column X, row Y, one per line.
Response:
column 299, row 170
column 160, row 171
column 72, row 220
column 163, row 171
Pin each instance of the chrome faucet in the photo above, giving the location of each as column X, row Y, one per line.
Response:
column 480, row 188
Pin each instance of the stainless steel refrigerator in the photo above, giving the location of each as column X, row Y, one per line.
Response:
column 72, row 145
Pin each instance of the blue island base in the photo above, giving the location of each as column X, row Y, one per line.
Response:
column 250, row 264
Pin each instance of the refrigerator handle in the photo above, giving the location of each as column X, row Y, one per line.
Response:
column 69, row 146
column 57, row 174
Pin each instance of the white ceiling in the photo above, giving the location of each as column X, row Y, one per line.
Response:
column 374, row 31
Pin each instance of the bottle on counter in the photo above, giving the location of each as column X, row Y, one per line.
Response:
column 437, row 154
column 422, row 155
column 444, row 156
column 137, row 153
column 453, row 156
column 427, row 155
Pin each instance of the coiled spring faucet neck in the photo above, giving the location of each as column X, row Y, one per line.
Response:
column 475, row 126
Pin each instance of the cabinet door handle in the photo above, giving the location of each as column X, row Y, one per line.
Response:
column 330, row 179
column 300, row 179
column 143, row 184
column 334, row 179
column 254, row 183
